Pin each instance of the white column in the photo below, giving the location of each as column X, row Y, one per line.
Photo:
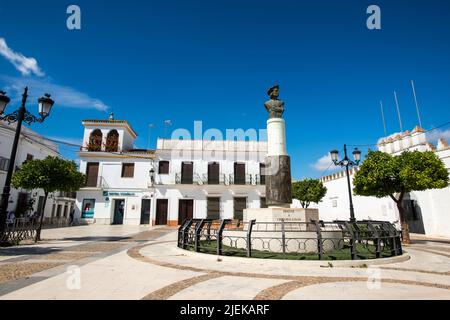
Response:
column 276, row 137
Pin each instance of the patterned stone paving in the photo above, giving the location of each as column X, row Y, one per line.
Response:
column 15, row 271
column 120, row 255
column 37, row 260
column 271, row 293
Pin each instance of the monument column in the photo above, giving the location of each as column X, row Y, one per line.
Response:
column 278, row 172
column 278, row 163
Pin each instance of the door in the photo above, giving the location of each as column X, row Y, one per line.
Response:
column 92, row 174
column 239, row 205
column 185, row 210
column 187, row 172
column 263, row 202
column 145, row 211
column 58, row 211
column 119, row 209
column 213, row 173
column 161, row 211
column 414, row 215
column 239, row 173
column 262, row 173
column 213, row 208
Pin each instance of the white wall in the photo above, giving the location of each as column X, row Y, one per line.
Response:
column 30, row 143
column 434, row 204
column 336, row 204
column 198, row 152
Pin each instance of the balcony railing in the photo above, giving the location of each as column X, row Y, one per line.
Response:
column 64, row 194
column 221, row 179
column 187, row 179
column 99, row 183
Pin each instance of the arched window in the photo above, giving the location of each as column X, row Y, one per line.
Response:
column 112, row 141
column 95, row 140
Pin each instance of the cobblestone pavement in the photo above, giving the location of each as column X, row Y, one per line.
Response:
column 131, row 262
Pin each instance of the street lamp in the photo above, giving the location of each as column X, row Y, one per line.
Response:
column 4, row 100
column 20, row 115
column 346, row 162
column 151, row 173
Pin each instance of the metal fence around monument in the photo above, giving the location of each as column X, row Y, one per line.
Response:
column 315, row 240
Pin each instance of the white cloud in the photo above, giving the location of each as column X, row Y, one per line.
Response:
column 63, row 95
column 25, row 65
column 323, row 163
column 435, row 135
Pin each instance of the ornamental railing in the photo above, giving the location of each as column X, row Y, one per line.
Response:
column 20, row 229
column 315, row 240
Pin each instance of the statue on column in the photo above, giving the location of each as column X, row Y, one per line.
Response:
column 274, row 106
column 278, row 162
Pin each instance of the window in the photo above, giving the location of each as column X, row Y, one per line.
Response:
column 187, row 173
column 163, row 167
column 4, row 164
column 239, row 205
column 213, row 173
column 239, row 173
column 95, row 140
column 88, row 209
column 213, row 208
column 262, row 173
column 28, row 158
column 112, row 141
column 92, row 174
column 127, row 170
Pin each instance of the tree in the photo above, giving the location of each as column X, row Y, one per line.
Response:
column 382, row 175
column 308, row 190
column 50, row 174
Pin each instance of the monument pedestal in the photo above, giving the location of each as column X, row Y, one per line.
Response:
column 276, row 214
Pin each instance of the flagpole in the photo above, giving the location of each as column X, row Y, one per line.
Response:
column 384, row 120
column 417, row 104
column 398, row 112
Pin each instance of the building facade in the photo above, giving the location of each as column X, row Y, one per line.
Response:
column 427, row 210
column 180, row 179
column 31, row 146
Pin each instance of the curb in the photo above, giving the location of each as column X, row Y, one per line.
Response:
column 301, row 263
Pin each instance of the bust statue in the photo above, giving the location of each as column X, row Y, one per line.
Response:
column 274, row 106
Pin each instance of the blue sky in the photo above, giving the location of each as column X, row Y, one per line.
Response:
column 213, row 61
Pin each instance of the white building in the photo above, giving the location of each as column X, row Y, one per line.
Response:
column 31, row 146
column 428, row 211
column 192, row 178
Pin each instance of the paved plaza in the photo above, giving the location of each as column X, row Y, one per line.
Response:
column 140, row 262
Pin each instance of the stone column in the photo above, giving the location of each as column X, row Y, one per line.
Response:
column 278, row 165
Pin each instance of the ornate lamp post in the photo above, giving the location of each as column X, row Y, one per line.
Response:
column 346, row 162
column 20, row 115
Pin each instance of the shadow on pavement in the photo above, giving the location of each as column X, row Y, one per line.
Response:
column 20, row 251
column 104, row 239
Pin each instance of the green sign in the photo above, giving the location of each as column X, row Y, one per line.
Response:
column 118, row 194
